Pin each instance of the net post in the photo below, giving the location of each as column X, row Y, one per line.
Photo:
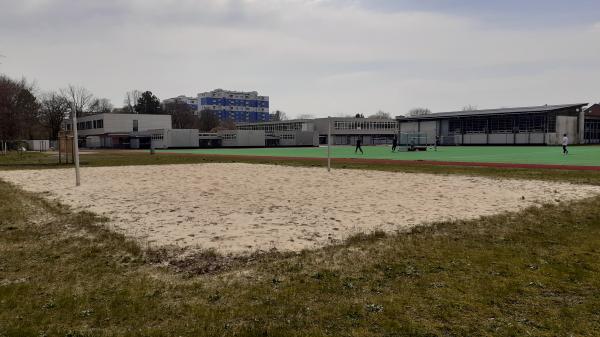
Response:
column 76, row 147
column 329, row 144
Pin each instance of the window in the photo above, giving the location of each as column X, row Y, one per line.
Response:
column 229, row 136
column 135, row 125
column 475, row 125
column 501, row 124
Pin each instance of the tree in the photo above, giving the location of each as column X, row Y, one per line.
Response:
column 182, row 115
column 53, row 111
column 131, row 98
column 228, row 124
column 79, row 98
column 278, row 116
column 359, row 116
column 147, row 103
column 208, row 120
column 100, row 106
column 381, row 115
column 418, row 112
column 306, row 116
column 27, row 108
column 469, row 107
column 18, row 109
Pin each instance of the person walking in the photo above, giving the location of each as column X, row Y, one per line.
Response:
column 394, row 143
column 358, row 147
column 565, row 143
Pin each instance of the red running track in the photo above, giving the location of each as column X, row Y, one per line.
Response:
column 400, row 162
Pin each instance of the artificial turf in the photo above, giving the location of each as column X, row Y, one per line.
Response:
column 578, row 155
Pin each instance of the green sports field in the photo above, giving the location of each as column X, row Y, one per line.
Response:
column 545, row 155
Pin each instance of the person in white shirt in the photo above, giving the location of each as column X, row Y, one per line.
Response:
column 565, row 142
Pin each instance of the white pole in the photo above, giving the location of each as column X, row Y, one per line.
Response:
column 76, row 146
column 329, row 145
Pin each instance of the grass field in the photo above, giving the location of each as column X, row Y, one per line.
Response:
column 531, row 273
column 578, row 155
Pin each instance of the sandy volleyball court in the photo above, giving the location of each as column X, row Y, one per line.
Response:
column 237, row 208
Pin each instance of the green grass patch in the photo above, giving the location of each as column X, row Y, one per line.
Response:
column 125, row 158
column 578, row 155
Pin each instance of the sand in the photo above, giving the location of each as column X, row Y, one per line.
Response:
column 242, row 208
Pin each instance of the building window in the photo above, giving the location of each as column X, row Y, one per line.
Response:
column 135, row 125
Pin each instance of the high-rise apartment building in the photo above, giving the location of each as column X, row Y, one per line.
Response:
column 239, row 106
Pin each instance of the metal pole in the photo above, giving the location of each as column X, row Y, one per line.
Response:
column 329, row 145
column 76, row 147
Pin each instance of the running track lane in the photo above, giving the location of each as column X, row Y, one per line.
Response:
column 400, row 162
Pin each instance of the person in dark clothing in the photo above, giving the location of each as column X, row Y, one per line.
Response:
column 437, row 142
column 394, row 143
column 358, row 147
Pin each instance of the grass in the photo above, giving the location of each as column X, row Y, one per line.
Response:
column 578, row 155
column 36, row 160
column 536, row 273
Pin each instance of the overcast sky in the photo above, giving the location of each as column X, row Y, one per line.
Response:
column 320, row 57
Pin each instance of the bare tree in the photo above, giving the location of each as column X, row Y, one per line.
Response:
column 228, row 124
column 469, row 107
column 53, row 111
column 79, row 97
column 418, row 112
column 131, row 99
column 279, row 116
column 100, row 106
column 306, row 116
column 381, row 115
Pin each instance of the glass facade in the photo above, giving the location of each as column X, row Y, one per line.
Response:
column 525, row 123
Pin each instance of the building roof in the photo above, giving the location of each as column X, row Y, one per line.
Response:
column 593, row 111
column 501, row 111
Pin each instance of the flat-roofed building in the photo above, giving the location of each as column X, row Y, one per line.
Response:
column 312, row 132
column 592, row 124
column 192, row 102
column 132, row 131
column 298, row 132
column 534, row 125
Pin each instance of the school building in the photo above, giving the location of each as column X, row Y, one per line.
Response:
column 534, row 125
column 312, row 132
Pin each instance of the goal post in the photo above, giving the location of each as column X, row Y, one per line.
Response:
column 412, row 138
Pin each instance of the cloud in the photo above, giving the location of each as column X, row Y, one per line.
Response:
column 321, row 57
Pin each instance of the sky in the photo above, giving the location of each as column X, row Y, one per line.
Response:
column 318, row 57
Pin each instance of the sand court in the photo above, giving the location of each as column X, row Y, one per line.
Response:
column 240, row 208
